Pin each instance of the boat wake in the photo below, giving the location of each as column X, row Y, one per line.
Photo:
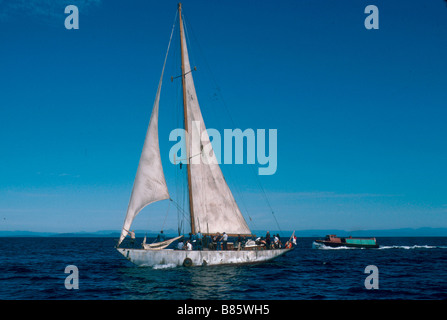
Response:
column 164, row 266
column 321, row 246
column 412, row 247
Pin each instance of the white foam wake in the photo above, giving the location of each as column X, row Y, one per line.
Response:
column 321, row 246
column 164, row 266
column 409, row 247
column 316, row 245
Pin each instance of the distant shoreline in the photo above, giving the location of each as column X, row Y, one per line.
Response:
column 403, row 232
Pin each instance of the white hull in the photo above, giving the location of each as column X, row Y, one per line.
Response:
column 170, row 257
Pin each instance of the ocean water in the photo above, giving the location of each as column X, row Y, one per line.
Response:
column 408, row 268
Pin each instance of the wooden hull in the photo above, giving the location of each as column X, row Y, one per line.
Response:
column 193, row 258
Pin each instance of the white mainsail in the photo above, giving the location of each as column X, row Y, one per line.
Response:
column 150, row 183
column 215, row 209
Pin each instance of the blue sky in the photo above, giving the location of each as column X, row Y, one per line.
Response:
column 360, row 114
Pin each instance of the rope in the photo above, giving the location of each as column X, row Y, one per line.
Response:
column 166, row 215
column 166, row 56
column 267, row 200
column 220, row 96
column 179, row 208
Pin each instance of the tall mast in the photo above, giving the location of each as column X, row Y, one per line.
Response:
column 185, row 111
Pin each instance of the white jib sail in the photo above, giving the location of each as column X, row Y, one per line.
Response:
column 215, row 209
column 150, row 184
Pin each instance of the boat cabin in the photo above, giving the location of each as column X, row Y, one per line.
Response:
column 332, row 238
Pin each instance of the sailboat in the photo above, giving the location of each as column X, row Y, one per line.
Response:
column 212, row 206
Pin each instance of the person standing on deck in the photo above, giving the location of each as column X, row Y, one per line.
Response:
column 224, row 241
column 161, row 237
column 199, row 238
column 219, row 241
column 275, row 241
column 239, row 242
column 267, row 240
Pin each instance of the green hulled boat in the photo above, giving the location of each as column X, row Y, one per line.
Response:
column 332, row 240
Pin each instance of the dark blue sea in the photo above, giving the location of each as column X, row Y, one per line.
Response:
column 407, row 268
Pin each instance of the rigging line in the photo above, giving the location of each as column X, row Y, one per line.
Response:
column 176, row 113
column 217, row 88
column 185, row 214
column 219, row 95
column 157, row 95
column 266, row 198
column 185, row 23
column 182, row 75
column 166, row 215
column 164, row 221
column 178, row 173
column 192, row 59
column 167, row 51
column 222, row 100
